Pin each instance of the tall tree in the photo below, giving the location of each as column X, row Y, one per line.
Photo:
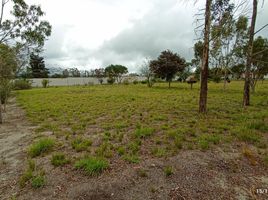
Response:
column 205, row 59
column 100, row 74
column 8, row 66
column 246, row 97
column 259, row 61
column 38, row 68
column 23, row 28
column 116, row 72
column 147, row 72
column 167, row 65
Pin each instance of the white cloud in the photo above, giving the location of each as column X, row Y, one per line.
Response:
column 94, row 33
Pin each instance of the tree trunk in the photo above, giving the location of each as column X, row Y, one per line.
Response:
column 246, row 98
column 1, row 118
column 204, row 69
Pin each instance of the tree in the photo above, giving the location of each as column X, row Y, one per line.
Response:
column 37, row 66
column 205, row 59
column 23, row 29
column 100, row 74
column 65, row 73
column 8, row 66
column 74, row 72
column 259, row 61
column 24, row 25
column 187, row 71
column 167, row 65
column 146, row 71
column 222, row 34
column 116, row 72
column 246, row 96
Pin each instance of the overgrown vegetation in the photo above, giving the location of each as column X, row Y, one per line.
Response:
column 135, row 122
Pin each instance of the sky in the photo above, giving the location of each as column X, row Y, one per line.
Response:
column 90, row 34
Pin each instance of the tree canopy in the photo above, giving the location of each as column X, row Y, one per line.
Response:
column 167, row 65
column 116, row 72
column 38, row 69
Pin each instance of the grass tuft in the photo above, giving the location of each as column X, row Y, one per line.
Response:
column 92, row 165
column 42, row 146
column 59, row 159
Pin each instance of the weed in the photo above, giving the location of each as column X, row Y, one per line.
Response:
column 168, row 171
column 92, row 165
column 142, row 173
column 143, row 132
column 81, row 144
column 42, row 146
column 59, row 159
column 38, row 181
column 131, row 158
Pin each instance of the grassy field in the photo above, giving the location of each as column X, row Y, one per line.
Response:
column 92, row 126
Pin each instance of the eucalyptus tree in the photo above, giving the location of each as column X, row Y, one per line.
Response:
column 205, row 59
column 8, row 66
column 246, row 96
column 22, row 28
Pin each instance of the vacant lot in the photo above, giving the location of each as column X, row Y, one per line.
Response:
column 134, row 142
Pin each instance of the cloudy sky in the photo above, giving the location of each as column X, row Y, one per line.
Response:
column 95, row 33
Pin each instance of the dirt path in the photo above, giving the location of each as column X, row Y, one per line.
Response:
column 14, row 137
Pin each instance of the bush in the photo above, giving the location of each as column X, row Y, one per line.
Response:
column 5, row 90
column 216, row 79
column 22, row 84
column 110, row 81
column 40, row 147
column 45, row 83
column 144, row 82
column 135, row 82
column 92, row 165
column 125, row 82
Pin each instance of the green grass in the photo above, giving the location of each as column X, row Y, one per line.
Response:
column 40, row 147
column 81, row 144
column 92, row 165
column 32, row 175
column 59, row 159
column 144, row 122
column 38, row 181
column 168, row 171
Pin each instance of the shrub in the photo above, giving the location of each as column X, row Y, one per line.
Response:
column 110, row 81
column 40, row 147
column 135, row 82
column 59, row 159
column 45, row 83
column 80, row 144
column 22, row 84
column 125, row 82
column 92, row 165
column 143, row 82
column 5, row 90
